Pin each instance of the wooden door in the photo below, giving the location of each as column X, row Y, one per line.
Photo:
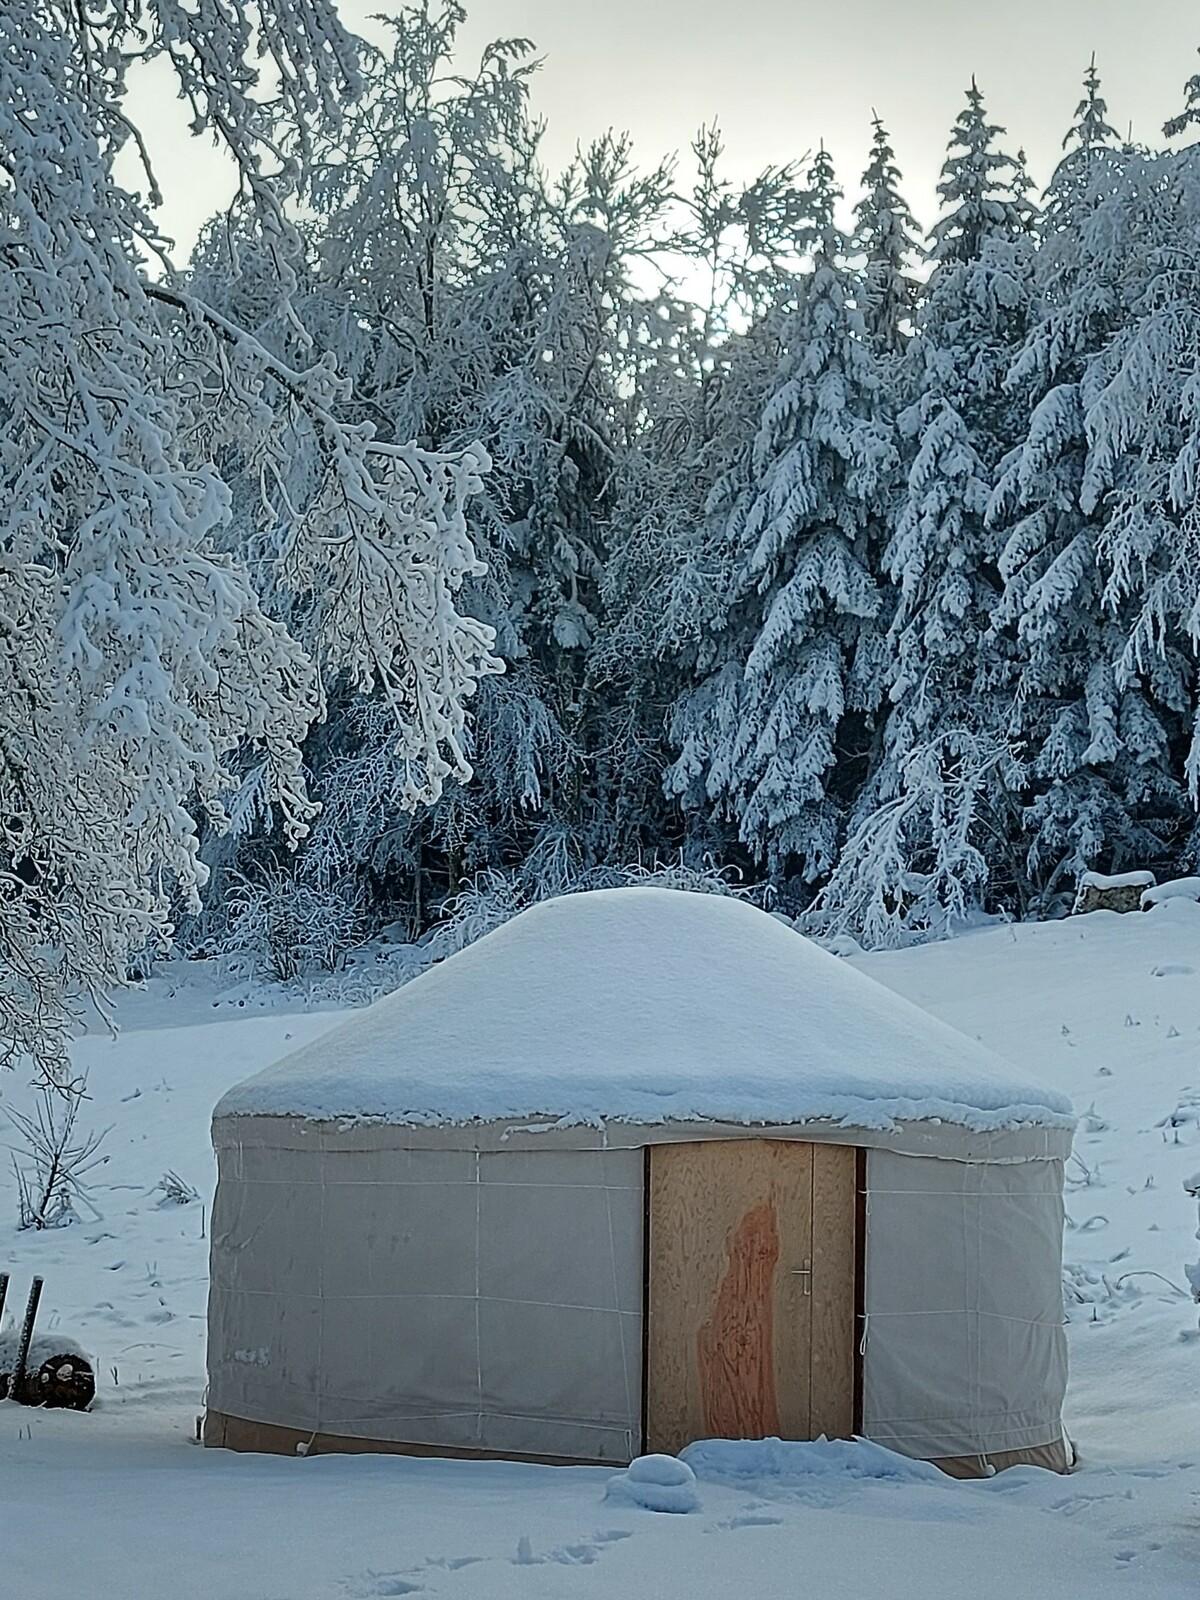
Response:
column 751, row 1291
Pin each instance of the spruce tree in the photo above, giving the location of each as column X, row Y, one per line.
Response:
column 886, row 237
column 972, row 321
column 1140, row 396
column 671, row 646
column 1094, row 737
column 944, row 765
column 984, row 190
column 791, row 737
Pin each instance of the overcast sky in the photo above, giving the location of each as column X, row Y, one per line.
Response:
column 781, row 75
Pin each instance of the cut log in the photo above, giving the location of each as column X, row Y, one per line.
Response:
column 58, row 1372
column 65, row 1381
column 1122, row 893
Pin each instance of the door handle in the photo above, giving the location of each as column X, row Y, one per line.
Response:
column 805, row 1273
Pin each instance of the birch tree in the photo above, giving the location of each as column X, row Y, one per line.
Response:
column 137, row 663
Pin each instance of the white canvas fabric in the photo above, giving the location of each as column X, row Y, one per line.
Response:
column 965, row 1350
column 482, row 1301
column 492, row 1300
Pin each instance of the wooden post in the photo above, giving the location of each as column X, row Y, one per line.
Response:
column 18, row 1377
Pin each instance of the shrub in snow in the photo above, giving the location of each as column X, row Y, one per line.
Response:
column 656, row 1483
column 53, row 1159
column 283, row 927
column 909, row 869
column 175, row 1190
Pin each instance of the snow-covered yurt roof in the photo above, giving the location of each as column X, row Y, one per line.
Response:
column 594, row 1015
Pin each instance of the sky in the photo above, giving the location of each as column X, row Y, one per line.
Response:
column 780, row 76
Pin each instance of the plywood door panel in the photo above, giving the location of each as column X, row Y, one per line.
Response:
column 833, row 1290
column 728, row 1315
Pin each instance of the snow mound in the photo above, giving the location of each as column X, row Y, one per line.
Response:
column 1174, row 889
column 648, row 1006
column 42, row 1348
column 656, row 1483
column 746, row 1461
column 1122, row 880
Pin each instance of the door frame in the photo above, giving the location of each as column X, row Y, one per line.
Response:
column 860, row 1261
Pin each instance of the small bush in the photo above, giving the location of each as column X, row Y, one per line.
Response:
column 284, row 929
column 53, row 1160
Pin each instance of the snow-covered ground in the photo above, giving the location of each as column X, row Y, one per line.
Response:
column 120, row 1502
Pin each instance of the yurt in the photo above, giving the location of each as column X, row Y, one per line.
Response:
column 640, row 1167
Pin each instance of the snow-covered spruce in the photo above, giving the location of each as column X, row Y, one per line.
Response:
column 921, row 843
column 807, row 528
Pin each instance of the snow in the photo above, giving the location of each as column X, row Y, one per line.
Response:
column 1108, row 1006
column 656, row 1483
column 647, row 1006
column 1122, row 880
column 755, row 1461
column 42, row 1347
column 196, row 1523
column 1174, row 889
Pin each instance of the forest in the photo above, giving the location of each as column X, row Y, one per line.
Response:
column 450, row 531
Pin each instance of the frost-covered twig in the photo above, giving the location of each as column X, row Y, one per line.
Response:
column 176, row 1190
column 52, row 1163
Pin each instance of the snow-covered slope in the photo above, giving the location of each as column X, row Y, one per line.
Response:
column 1106, row 1009
column 132, row 1281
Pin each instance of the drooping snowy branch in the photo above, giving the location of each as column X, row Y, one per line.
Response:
column 136, row 661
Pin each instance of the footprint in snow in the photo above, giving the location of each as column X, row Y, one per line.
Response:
column 575, row 1555
column 744, row 1519
column 1074, row 1504
column 567, row 1555
column 375, row 1585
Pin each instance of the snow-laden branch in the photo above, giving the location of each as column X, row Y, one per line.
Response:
column 136, row 662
